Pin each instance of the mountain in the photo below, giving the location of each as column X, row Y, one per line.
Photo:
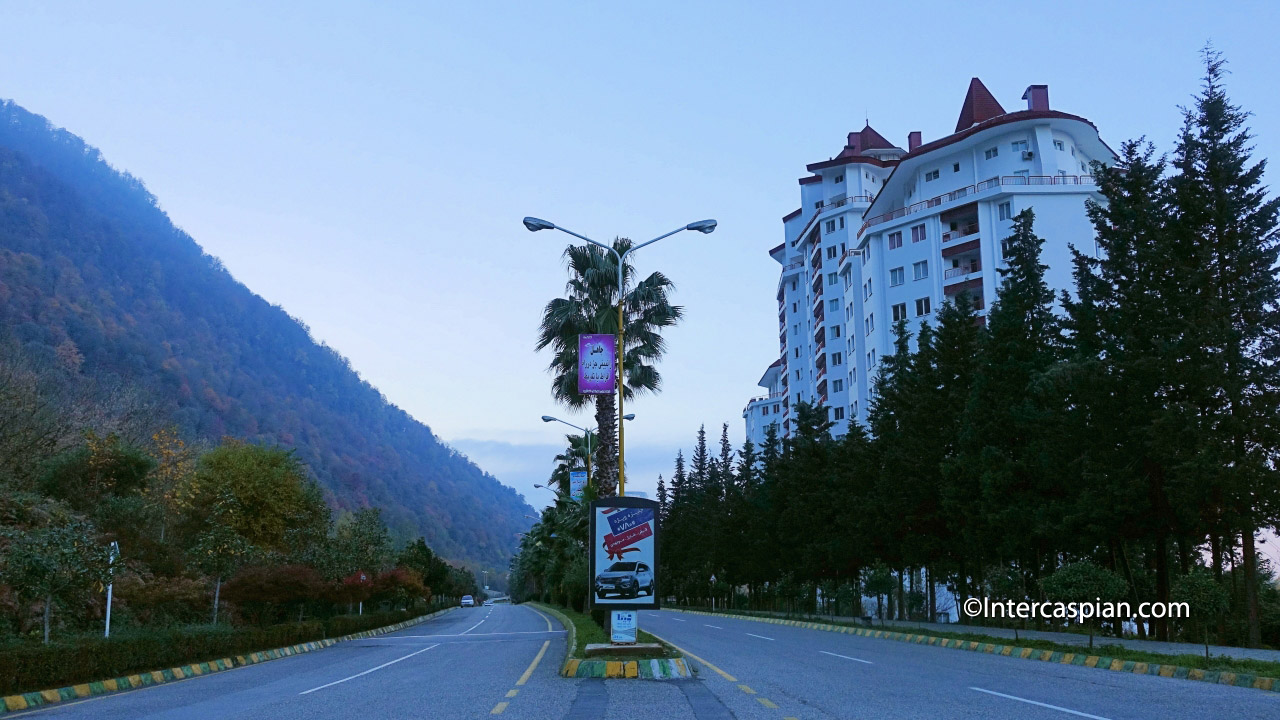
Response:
column 93, row 271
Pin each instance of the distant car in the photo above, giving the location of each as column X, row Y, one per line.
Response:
column 468, row 601
column 627, row 579
column 488, row 603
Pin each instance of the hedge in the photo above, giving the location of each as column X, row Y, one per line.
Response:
column 28, row 667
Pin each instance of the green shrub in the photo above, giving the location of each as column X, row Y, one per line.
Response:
column 25, row 667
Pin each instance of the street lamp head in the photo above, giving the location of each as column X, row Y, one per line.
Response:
column 548, row 418
column 540, row 487
column 629, row 416
column 702, row 226
column 535, row 224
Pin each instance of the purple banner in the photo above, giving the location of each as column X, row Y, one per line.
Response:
column 597, row 364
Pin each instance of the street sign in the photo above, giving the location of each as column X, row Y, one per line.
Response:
column 597, row 364
column 577, row 483
column 622, row 627
column 624, row 556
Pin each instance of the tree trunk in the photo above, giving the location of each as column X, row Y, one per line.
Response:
column 606, row 450
column 1133, row 589
column 933, row 596
column 217, row 594
column 1249, row 556
column 1162, row 584
column 48, row 611
column 902, row 610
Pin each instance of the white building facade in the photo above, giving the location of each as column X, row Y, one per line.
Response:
column 885, row 233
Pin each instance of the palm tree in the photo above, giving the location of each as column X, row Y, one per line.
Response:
column 573, row 457
column 590, row 306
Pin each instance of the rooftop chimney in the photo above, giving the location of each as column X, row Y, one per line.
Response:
column 853, row 141
column 913, row 140
column 1037, row 97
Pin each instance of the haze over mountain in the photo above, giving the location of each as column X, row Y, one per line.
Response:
column 92, row 268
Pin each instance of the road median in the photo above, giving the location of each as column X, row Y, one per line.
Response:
column 40, row 698
column 577, row 665
column 1102, row 662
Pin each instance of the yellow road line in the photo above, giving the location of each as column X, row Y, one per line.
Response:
column 497, row 709
column 746, row 690
column 527, row 673
column 718, row 671
column 767, row 703
column 512, row 693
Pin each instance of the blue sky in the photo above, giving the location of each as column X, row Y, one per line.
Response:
column 367, row 167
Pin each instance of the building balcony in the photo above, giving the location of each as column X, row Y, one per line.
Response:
column 842, row 200
column 821, row 335
column 966, row 191
column 963, row 231
column 965, row 269
column 820, row 312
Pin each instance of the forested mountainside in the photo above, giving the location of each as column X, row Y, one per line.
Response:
column 94, row 276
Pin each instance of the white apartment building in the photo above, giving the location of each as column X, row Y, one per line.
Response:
column 885, row 233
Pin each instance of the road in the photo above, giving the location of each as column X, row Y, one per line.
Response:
column 503, row 662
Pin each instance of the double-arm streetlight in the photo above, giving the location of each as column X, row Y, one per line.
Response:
column 703, row 226
column 587, row 433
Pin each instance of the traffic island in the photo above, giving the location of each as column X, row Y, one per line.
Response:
column 649, row 660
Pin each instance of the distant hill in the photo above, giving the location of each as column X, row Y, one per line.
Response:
column 87, row 256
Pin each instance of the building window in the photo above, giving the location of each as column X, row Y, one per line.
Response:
column 832, row 278
column 1019, row 146
column 922, row 307
column 793, row 286
column 835, row 331
column 1059, row 145
column 899, row 312
column 764, row 410
column 855, row 407
column 917, row 233
column 838, row 413
column 1022, row 174
column 1006, row 247
column 793, row 308
column 992, row 152
column 955, row 167
column 817, row 205
column 831, row 226
column 866, row 255
column 837, row 386
column 833, row 305
column 920, row 269
column 831, row 252
column 871, row 358
column 931, row 176
column 839, row 178
column 870, row 322
column 797, row 374
column 837, row 358
column 866, row 289
column 897, row 276
column 1006, row 210
column 775, row 408
column 795, row 329
column 797, row 352
column 841, row 219
column 895, row 240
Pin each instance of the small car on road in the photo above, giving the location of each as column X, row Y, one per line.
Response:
column 468, row 601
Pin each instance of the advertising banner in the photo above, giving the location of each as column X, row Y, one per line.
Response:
column 577, row 483
column 623, row 627
column 597, row 364
column 624, row 554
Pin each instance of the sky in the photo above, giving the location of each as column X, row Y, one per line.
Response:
column 367, row 166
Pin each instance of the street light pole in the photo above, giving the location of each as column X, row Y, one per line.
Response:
column 702, row 226
column 587, row 433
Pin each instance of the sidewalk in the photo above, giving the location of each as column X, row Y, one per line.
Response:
column 1065, row 638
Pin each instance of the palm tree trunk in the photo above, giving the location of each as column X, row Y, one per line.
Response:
column 606, row 451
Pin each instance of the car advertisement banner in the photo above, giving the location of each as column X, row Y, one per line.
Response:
column 597, row 364
column 624, row 556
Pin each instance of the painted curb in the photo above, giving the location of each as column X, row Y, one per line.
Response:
column 654, row 669
column 1101, row 662
column 39, row 698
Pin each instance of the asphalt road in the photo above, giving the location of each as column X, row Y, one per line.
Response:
column 817, row 674
column 503, row 661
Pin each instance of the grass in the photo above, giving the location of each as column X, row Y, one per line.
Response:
column 1263, row 668
column 589, row 632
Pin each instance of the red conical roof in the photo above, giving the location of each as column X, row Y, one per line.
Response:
column 979, row 105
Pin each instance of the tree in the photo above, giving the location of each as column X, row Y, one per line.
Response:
column 364, row 544
column 1084, row 582
column 53, row 562
column 1205, row 598
column 590, row 306
column 259, row 493
column 218, row 552
column 1230, row 225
